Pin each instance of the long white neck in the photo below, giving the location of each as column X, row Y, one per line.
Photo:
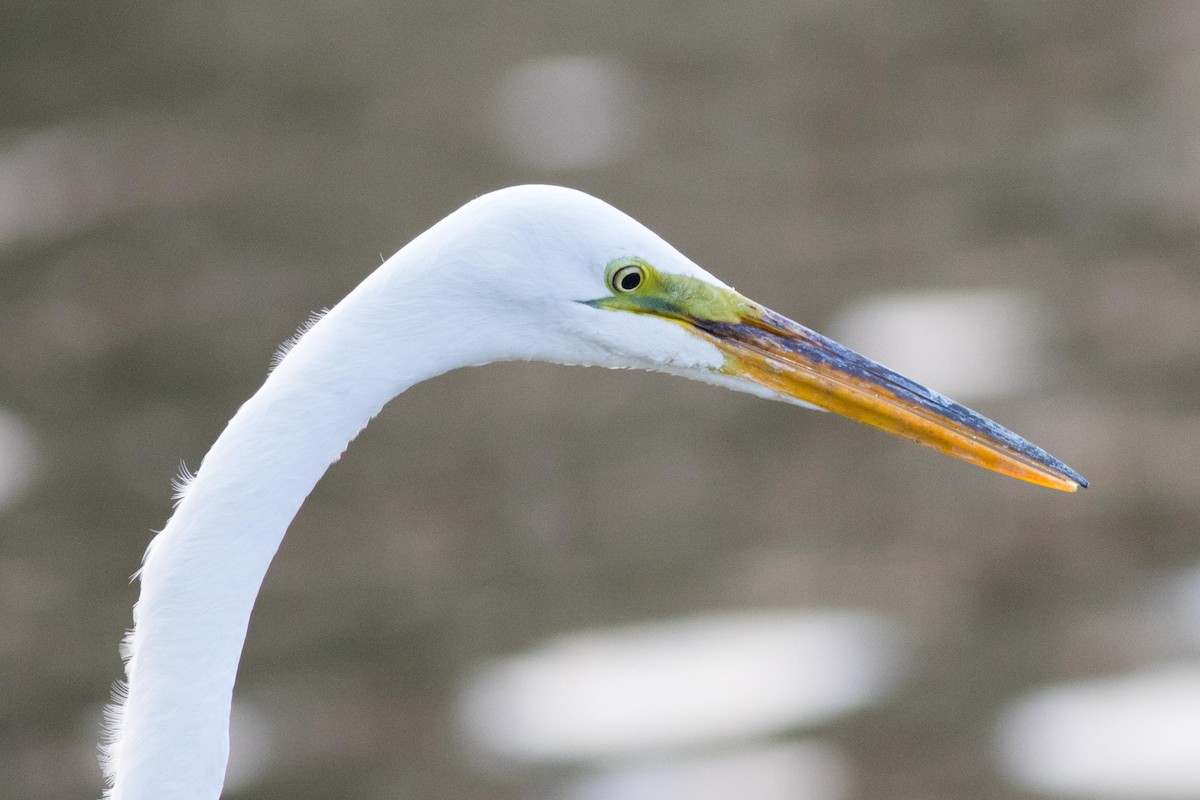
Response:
column 502, row 278
column 169, row 740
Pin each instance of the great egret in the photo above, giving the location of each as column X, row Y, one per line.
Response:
column 531, row 272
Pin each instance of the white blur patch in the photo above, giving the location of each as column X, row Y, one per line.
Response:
column 567, row 113
column 58, row 181
column 808, row 770
column 54, row 183
column 1181, row 593
column 683, row 683
column 1132, row 736
column 963, row 344
column 18, row 457
column 251, row 746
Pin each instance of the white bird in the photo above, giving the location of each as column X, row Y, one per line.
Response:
column 526, row 273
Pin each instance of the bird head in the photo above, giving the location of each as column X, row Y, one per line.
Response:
column 581, row 282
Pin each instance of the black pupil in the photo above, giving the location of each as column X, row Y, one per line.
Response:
column 631, row 280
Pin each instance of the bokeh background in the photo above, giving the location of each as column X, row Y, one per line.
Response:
column 999, row 197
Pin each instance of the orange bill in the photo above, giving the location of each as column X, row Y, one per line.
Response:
column 796, row 362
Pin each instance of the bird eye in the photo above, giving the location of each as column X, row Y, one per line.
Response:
column 627, row 279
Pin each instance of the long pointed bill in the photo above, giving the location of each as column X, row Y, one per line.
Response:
column 793, row 361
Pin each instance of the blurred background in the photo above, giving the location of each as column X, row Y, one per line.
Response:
column 528, row 581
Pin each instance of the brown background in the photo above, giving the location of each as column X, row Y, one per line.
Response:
column 181, row 184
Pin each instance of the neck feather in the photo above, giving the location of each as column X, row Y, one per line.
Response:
column 169, row 728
